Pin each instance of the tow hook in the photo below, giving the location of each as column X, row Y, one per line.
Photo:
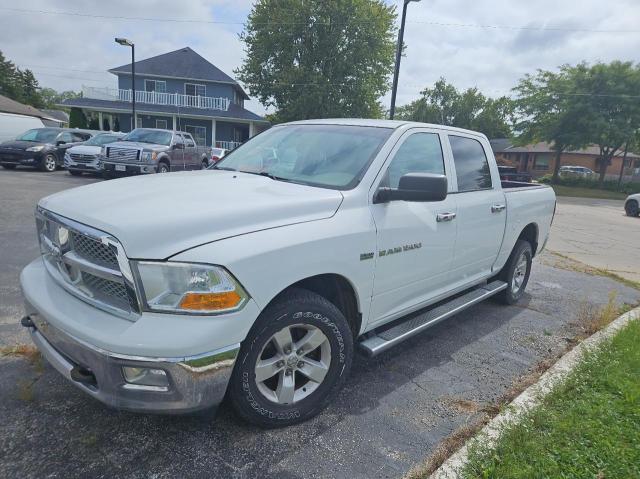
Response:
column 27, row 322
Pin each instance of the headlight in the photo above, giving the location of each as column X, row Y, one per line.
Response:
column 149, row 155
column 35, row 148
column 103, row 151
column 189, row 288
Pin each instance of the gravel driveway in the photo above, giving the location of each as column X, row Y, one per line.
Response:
column 393, row 412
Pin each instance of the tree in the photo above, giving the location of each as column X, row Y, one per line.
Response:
column 315, row 59
column 51, row 98
column 445, row 105
column 77, row 118
column 609, row 96
column 550, row 109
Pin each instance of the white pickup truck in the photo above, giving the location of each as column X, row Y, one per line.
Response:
column 260, row 277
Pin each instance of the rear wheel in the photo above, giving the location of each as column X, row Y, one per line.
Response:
column 516, row 273
column 9, row 167
column 49, row 163
column 631, row 208
column 293, row 361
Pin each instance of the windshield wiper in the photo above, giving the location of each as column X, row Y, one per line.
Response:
column 268, row 175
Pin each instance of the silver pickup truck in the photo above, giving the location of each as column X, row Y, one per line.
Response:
column 150, row 150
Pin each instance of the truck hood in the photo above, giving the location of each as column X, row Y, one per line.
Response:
column 158, row 216
column 85, row 150
column 135, row 145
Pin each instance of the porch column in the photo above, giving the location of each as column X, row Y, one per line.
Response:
column 252, row 129
column 100, row 120
column 174, row 123
column 213, row 133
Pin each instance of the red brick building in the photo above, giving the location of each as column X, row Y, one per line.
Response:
column 539, row 159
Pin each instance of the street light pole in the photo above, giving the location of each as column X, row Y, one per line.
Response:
column 128, row 43
column 396, row 73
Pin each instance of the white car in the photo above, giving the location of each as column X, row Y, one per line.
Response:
column 216, row 155
column 631, row 205
column 580, row 171
column 257, row 279
column 85, row 157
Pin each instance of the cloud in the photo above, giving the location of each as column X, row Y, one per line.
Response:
column 442, row 37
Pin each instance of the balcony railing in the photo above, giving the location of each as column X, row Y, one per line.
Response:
column 157, row 98
column 228, row 145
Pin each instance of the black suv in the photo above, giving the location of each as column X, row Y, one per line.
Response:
column 41, row 148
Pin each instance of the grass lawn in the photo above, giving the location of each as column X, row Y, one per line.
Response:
column 587, row 192
column 589, row 426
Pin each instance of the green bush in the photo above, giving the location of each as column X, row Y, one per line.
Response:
column 77, row 118
column 581, row 182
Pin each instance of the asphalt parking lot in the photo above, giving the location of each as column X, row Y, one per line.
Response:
column 598, row 233
column 393, row 412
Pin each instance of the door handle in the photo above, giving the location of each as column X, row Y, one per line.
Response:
column 497, row 208
column 440, row 217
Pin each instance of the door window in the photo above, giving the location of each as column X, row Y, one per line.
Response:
column 420, row 153
column 472, row 167
column 162, row 124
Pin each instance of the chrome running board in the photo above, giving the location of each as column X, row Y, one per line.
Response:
column 386, row 337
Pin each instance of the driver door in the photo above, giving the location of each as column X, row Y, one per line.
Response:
column 177, row 158
column 415, row 245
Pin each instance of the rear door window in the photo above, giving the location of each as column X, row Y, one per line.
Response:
column 472, row 166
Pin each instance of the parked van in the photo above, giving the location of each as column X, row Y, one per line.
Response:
column 11, row 125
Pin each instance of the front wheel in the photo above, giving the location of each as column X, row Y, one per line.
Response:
column 49, row 163
column 631, row 208
column 163, row 167
column 293, row 361
column 516, row 273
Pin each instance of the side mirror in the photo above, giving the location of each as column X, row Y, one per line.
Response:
column 415, row 187
column 60, row 142
column 178, row 146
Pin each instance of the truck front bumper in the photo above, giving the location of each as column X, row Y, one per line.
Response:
column 128, row 168
column 192, row 382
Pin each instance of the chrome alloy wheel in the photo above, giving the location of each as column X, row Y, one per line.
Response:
column 50, row 163
column 293, row 363
column 519, row 273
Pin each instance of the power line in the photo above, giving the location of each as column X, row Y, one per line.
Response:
column 24, row 65
column 225, row 22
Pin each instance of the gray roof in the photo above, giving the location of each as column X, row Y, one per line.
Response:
column 182, row 63
column 498, row 145
column 234, row 111
column 59, row 115
column 7, row 105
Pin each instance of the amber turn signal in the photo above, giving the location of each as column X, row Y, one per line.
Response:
column 210, row 301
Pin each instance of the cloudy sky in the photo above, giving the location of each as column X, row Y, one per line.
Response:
column 484, row 43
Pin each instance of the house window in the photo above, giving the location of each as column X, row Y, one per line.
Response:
column 161, row 124
column 541, row 162
column 159, row 86
column 199, row 133
column 138, row 122
column 194, row 89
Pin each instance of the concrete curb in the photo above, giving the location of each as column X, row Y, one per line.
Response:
column 530, row 397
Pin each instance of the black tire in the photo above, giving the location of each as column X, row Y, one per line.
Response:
column 9, row 167
column 75, row 172
column 512, row 294
column 49, row 163
column 631, row 208
column 297, row 308
column 204, row 165
column 106, row 175
column 163, row 167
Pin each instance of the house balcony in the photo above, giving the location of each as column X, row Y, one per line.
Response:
column 157, row 98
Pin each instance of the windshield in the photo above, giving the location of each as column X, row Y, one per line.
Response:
column 156, row 137
column 39, row 135
column 330, row 156
column 100, row 140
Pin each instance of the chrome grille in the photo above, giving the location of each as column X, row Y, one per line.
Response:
column 93, row 250
column 86, row 262
column 80, row 158
column 116, row 153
